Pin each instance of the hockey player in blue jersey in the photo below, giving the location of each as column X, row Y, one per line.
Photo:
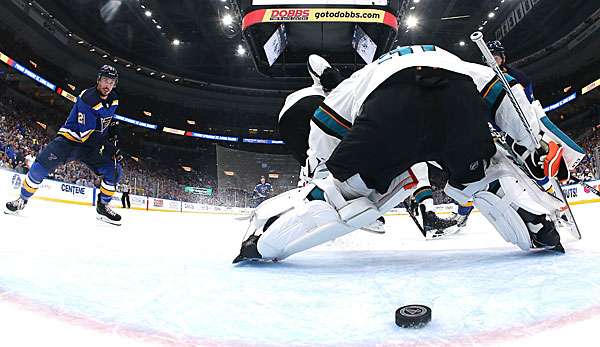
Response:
column 89, row 136
column 262, row 190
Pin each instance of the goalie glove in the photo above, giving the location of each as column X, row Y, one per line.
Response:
column 545, row 161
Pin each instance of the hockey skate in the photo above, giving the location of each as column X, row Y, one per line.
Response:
column 461, row 220
column 436, row 227
column 377, row 227
column 542, row 232
column 13, row 207
column 249, row 250
column 105, row 214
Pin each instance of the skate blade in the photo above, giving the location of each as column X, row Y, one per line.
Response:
column 11, row 213
column 438, row 235
column 374, row 231
column 108, row 221
column 240, row 259
column 558, row 249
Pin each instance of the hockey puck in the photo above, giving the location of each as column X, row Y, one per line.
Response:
column 413, row 316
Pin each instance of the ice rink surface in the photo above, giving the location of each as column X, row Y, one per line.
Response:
column 166, row 279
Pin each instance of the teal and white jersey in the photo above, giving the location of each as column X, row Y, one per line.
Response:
column 334, row 119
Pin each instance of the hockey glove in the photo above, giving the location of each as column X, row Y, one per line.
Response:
column 545, row 161
column 112, row 150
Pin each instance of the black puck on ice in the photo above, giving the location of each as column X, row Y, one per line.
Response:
column 413, row 316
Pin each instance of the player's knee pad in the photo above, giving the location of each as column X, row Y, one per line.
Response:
column 504, row 218
column 37, row 173
column 114, row 174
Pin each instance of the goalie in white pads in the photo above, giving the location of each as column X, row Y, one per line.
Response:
column 427, row 101
column 294, row 127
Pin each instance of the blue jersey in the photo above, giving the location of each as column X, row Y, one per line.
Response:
column 263, row 189
column 89, row 117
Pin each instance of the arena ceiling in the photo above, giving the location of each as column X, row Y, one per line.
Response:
column 208, row 47
column 231, row 91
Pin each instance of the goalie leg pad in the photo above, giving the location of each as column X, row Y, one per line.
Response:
column 280, row 240
column 504, row 218
column 311, row 224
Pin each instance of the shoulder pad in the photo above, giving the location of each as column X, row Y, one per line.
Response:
column 90, row 97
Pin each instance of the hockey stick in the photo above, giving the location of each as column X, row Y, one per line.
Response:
column 414, row 218
column 477, row 38
column 592, row 189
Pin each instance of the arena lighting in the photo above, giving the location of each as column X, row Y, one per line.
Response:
column 590, row 87
column 416, row 1
column 241, row 50
column 412, row 21
column 186, row 168
column 191, row 122
column 227, row 19
column 229, row 173
column 148, row 13
column 461, row 43
column 158, row 27
column 176, row 42
column 491, row 15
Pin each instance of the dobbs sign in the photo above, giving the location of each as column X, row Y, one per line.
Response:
column 350, row 15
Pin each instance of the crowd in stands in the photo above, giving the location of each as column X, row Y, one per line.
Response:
column 586, row 170
column 21, row 138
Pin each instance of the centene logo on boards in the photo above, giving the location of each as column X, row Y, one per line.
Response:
column 67, row 188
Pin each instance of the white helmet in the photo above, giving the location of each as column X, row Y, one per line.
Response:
column 322, row 73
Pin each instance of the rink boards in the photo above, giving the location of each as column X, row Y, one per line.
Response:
column 56, row 191
column 50, row 190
